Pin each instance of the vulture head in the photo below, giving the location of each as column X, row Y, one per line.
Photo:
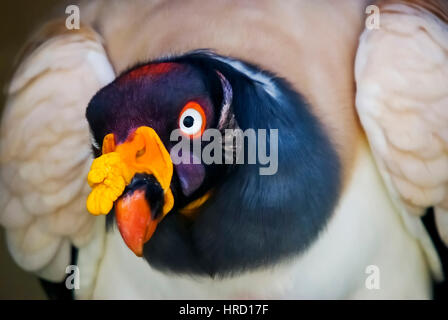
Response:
column 186, row 214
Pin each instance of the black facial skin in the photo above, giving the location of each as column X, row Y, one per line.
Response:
column 251, row 220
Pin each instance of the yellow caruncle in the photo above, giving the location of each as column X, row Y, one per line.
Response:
column 142, row 152
column 108, row 178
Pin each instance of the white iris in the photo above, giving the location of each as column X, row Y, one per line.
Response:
column 192, row 125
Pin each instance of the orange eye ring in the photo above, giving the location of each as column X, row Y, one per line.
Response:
column 196, row 112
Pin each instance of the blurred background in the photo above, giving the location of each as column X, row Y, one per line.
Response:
column 19, row 19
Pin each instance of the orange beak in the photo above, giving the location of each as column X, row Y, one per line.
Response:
column 133, row 214
column 142, row 152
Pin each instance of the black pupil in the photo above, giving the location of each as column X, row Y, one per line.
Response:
column 188, row 121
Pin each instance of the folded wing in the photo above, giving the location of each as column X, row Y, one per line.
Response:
column 402, row 101
column 45, row 148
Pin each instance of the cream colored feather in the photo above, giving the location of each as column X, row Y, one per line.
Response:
column 402, row 101
column 45, row 150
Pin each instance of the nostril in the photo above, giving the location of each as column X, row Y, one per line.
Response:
column 140, row 152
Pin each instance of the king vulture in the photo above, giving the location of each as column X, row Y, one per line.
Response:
column 362, row 122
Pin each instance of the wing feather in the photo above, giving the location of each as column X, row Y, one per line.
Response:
column 45, row 149
column 402, row 100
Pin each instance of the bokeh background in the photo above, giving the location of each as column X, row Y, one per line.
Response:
column 18, row 19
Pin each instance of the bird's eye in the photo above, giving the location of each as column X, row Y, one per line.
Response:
column 192, row 120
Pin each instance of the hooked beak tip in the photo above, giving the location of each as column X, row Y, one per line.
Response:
column 134, row 220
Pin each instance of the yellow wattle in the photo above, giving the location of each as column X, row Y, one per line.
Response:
column 110, row 173
column 108, row 178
